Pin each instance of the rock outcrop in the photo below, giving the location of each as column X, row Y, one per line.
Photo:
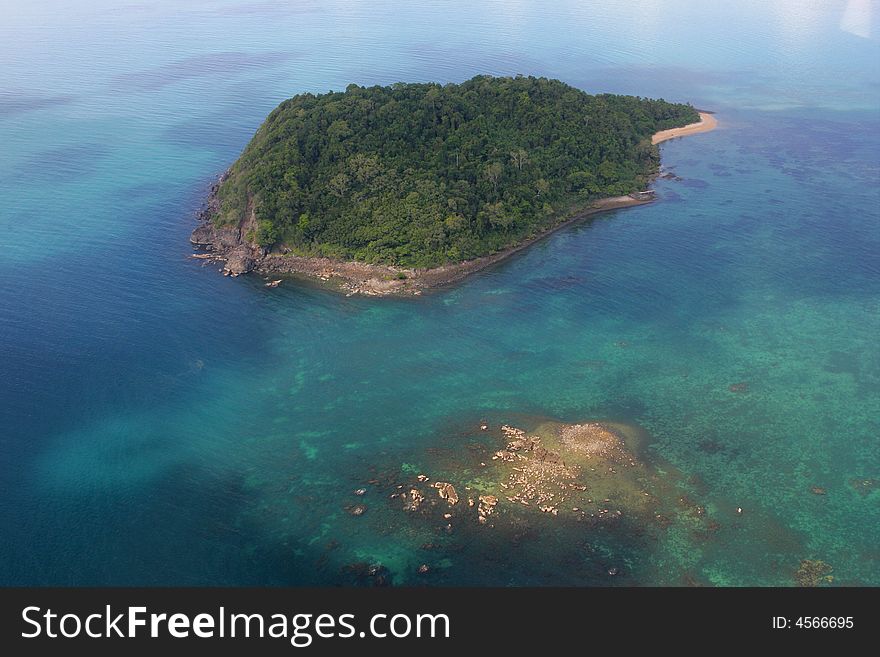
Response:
column 447, row 492
column 226, row 243
column 589, row 473
column 239, row 260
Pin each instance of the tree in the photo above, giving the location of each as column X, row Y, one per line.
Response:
column 493, row 174
column 498, row 216
column 338, row 185
column 455, row 223
column 267, row 233
column 418, row 174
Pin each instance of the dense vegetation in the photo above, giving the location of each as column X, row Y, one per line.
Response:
column 422, row 174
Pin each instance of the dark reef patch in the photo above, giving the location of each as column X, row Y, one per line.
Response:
column 12, row 103
column 198, row 66
column 63, row 164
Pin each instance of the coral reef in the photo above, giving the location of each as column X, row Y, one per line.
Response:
column 813, row 572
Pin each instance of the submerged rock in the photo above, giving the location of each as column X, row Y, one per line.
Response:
column 569, row 473
column 367, row 574
column 865, row 486
column 813, row 572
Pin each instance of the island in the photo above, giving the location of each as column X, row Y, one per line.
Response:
column 396, row 189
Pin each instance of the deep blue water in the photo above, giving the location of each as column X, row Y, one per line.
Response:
column 162, row 424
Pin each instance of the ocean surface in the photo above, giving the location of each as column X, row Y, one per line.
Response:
column 162, row 424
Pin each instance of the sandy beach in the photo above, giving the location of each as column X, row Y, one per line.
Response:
column 706, row 123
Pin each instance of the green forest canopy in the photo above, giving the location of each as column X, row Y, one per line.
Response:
column 420, row 175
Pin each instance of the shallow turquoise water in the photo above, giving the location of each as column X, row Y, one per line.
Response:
column 163, row 424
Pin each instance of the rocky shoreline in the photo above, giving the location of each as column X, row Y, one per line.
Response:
column 228, row 245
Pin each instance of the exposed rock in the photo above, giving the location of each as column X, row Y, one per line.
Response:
column 424, row 569
column 357, row 509
column 240, row 260
column 227, row 238
column 446, row 492
column 560, row 485
column 512, row 432
column 360, row 492
column 204, row 235
column 412, row 500
column 572, row 473
column 486, row 507
column 220, row 239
